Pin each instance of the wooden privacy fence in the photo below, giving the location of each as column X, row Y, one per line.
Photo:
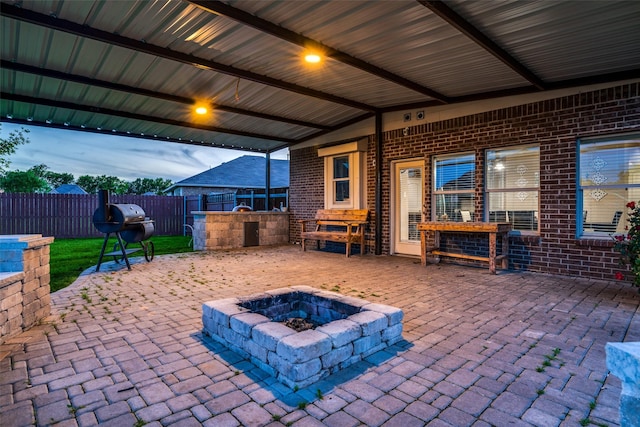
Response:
column 71, row 215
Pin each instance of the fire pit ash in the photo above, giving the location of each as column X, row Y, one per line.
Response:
column 347, row 330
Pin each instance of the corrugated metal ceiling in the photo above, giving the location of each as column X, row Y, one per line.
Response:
column 137, row 67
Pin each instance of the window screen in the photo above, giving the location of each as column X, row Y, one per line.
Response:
column 341, row 178
column 512, row 185
column 454, row 188
column 609, row 178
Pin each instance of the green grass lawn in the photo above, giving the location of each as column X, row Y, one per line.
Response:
column 70, row 257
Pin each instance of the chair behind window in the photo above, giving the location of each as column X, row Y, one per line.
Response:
column 616, row 218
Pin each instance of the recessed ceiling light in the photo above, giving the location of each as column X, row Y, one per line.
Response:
column 201, row 110
column 312, row 58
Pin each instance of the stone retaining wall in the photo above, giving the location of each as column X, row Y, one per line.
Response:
column 623, row 360
column 24, row 282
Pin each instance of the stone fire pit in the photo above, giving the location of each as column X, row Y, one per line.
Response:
column 347, row 330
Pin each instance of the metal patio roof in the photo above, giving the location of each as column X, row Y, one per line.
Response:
column 137, row 68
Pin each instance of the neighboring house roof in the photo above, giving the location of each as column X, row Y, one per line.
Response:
column 243, row 172
column 69, row 189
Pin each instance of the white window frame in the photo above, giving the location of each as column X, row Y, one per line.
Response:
column 356, row 153
column 602, row 189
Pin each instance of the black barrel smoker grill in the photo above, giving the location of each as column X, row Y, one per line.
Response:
column 128, row 223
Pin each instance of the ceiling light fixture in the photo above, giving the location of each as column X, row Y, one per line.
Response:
column 201, row 110
column 312, row 58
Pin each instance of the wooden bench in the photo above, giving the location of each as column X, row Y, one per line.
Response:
column 336, row 225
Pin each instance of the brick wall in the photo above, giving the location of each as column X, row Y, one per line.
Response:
column 306, row 182
column 554, row 124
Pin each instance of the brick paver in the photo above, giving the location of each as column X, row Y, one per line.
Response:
column 125, row 347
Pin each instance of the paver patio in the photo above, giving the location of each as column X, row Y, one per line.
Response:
column 123, row 348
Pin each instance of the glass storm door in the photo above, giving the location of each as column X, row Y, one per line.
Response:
column 408, row 199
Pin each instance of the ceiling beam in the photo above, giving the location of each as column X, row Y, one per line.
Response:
column 9, row 65
column 618, row 76
column 282, row 33
column 140, row 136
column 135, row 116
column 339, row 126
column 455, row 20
column 79, row 30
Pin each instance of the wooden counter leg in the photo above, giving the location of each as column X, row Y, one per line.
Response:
column 492, row 253
column 505, row 250
column 423, row 248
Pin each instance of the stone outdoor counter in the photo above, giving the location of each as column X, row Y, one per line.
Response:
column 24, row 282
column 226, row 230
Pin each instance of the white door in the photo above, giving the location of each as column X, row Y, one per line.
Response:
column 407, row 209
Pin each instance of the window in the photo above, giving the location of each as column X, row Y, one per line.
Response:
column 344, row 175
column 454, row 188
column 609, row 178
column 512, row 186
column 341, row 182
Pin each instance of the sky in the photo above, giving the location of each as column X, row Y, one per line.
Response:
column 85, row 153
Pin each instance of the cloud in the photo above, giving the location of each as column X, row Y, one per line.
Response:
column 84, row 153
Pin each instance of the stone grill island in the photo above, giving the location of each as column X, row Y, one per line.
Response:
column 346, row 330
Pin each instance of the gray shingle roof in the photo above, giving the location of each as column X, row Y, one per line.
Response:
column 243, row 172
column 69, row 189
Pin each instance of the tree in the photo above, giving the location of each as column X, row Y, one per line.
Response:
column 23, row 182
column 8, row 146
column 92, row 184
column 57, row 179
column 54, row 179
column 149, row 185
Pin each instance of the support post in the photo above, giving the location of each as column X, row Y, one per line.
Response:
column 267, row 180
column 378, row 191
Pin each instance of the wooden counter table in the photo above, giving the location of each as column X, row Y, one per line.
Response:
column 490, row 228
